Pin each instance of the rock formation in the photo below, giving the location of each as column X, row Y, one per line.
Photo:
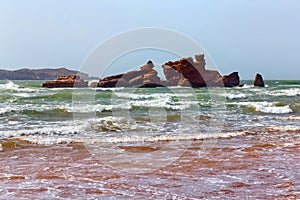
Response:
column 259, row 81
column 231, row 80
column 186, row 72
column 146, row 76
column 66, row 81
column 183, row 72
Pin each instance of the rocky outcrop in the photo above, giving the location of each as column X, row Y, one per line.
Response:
column 146, row 76
column 66, row 81
column 187, row 72
column 230, row 80
column 259, row 81
column 183, row 72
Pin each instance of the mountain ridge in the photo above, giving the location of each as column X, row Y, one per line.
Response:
column 40, row 74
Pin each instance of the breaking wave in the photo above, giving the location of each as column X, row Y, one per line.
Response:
column 265, row 107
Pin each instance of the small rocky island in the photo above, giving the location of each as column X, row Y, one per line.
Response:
column 65, row 82
column 184, row 72
column 258, row 81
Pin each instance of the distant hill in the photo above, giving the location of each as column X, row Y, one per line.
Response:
column 39, row 74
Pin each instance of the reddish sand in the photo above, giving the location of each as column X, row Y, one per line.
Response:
column 236, row 168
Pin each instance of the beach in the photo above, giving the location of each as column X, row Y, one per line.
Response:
column 150, row 143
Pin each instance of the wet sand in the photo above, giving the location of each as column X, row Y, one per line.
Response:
column 245, row 167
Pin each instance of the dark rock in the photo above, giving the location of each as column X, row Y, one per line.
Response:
column 231, row 80
column 66, row 81
column 152, row 85
column 259, row 81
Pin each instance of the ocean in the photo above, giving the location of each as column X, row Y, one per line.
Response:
column 153, row 143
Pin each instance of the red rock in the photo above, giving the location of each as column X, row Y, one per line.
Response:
column 231, row 80
column 66, row 81
column 211, row 77
column 183, row 72
column 184, row 82
column 132, row 74
column 171, row 82
column 122, row 83
column 184, row 68
column 259, row 81
column 147, row 67
column 152, row 77
column 137, row 78
column 200, row 61
column 186, row 72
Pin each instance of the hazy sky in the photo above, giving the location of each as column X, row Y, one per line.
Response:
column 248, row 36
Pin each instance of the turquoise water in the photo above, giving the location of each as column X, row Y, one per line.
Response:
column 48, row 116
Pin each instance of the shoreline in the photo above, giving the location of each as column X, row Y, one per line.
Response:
column 248, row 168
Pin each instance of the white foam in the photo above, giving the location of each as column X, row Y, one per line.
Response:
column 247, row 86
column 12, row 86
column 285, row 92
column 110, row 89
column 135, row 96
column 4, row 109
column 164, row 100
column 288, row 128
column 48, row 133
column 154, row 137
column 293, row 118
column 167, row 103
column 164, row 137
column 266, row 107
column 9, row 86
column 23, row 94
column 83, row 131
column 68, row 107
column 79, row 108
column 273, row 109
column 235, row 96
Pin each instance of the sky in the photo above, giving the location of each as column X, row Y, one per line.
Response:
column 248, row 36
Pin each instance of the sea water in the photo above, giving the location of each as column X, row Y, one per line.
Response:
column 49, row 140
